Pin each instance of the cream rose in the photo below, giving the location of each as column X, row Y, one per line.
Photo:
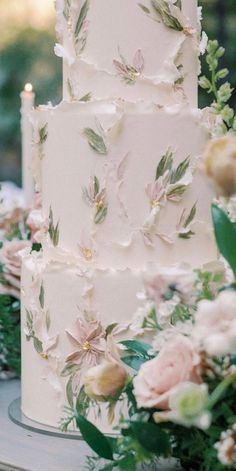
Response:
column 220, row 164
column 105, row 380
column 176, row 363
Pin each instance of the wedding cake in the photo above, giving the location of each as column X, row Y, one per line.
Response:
column 118, row 167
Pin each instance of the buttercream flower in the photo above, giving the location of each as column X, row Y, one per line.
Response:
column 156, row 191
column 105, row 380
column 188, row 406
column 86, row 246
column 169, row 281
column 220, row 164
column 176, row 363
column 215, row 324
column 87, row 339
column 11, row 259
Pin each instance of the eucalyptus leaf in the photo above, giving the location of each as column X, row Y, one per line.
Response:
column 225, row 234
column 95, row 141
column 136, row 346
column 151, row 437
column 97, row 441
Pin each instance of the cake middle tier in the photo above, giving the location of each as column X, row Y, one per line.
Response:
column 121, row 184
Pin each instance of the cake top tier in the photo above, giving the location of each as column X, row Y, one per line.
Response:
column 129, row 49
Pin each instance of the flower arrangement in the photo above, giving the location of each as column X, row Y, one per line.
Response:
column 178, row 374
column 20, row 228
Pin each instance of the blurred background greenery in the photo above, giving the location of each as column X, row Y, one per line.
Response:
column 26, row 55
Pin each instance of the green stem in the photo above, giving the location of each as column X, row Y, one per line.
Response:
column 220, row 390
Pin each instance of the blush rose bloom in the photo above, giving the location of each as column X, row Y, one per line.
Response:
column 11, row 258
column 176, row 363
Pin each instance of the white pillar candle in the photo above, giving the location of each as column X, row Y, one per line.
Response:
column 27, row 103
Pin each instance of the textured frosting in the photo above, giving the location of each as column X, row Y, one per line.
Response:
column 125, row 49
column 109, row 295
column 133, row 219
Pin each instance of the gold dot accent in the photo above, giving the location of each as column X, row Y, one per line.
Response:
column 87, row 346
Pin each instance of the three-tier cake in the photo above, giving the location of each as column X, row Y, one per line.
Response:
column 117, row 163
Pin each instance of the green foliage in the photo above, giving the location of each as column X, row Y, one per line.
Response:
column 9, row 334
column 225, row 234
column 222, row 92
column 95, row 439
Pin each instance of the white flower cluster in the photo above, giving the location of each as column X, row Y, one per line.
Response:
column 226, row 447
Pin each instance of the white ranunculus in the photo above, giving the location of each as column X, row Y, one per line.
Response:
column 215, row 325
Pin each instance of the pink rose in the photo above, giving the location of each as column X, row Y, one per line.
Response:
column 11, row 259
column 176, row 363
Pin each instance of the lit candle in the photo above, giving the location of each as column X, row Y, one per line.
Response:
column 27, row 103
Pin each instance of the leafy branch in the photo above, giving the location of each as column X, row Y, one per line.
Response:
column 221, row 93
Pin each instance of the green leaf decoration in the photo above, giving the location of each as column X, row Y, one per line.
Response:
column 86, row 97
column 137, row 347
column 163, row 9
column 53, row 230
column 151, row 437
column 38, row 345
column 43, row 134
column 48, row 320
column 110, row 329
column 165, row 164
column 69, row 370
column 82, row 17
column 100, row 215
column 176, row 193
column 181, row 170
column 134, row 361
column 69, row 392
column 95, row 141
column 96, row 185
column 225, row 234
column 144, row 8
column 191, row 215
column 41, row 296
column 97, row 441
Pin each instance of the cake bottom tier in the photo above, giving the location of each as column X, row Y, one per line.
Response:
column 65, row 313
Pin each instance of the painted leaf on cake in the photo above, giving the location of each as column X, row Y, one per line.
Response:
column 130, row 73
column 53, row 230
column 43, row 134
column 95, row 141
column 184, row 227
column 168, row 13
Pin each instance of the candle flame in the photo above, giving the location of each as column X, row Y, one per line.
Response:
column 28, row 87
